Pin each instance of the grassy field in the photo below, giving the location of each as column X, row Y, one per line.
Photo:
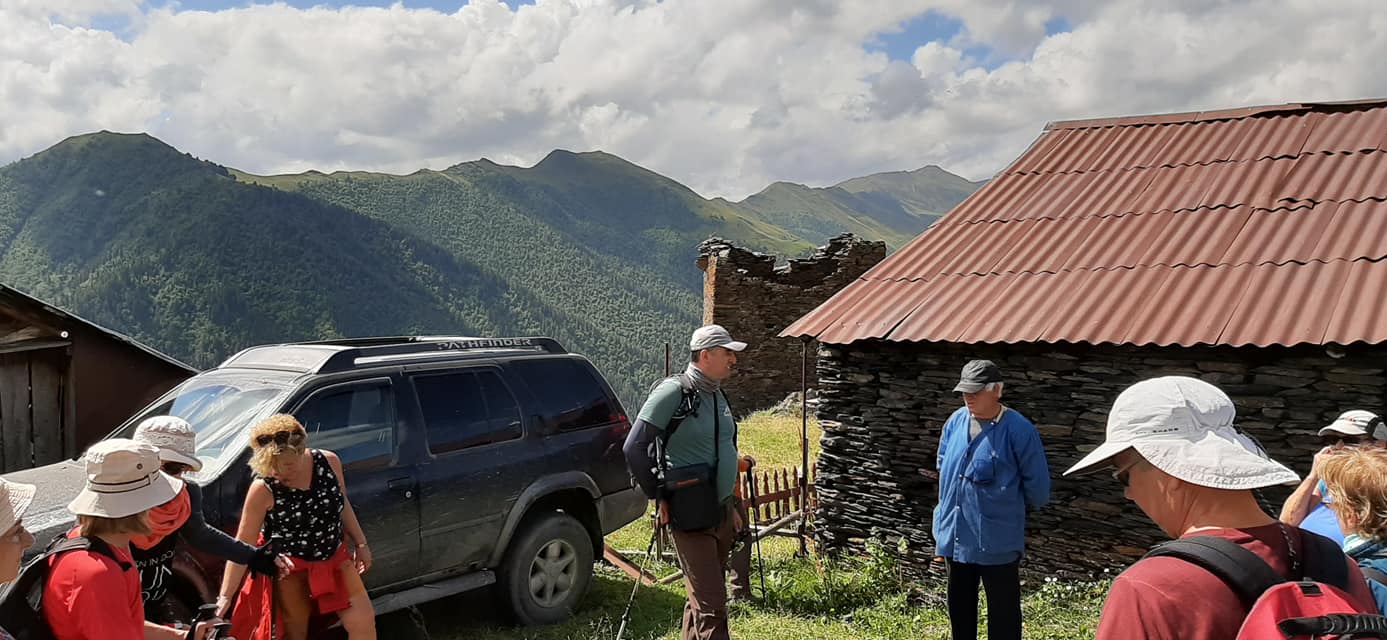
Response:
column 806, row 598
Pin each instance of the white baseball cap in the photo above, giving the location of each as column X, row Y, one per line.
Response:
column 711, row 336
column 123, row 479
column 1184, row 427
column 1357, row 423
column 175, row 438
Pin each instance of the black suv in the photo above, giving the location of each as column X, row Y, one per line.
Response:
column 469, row 461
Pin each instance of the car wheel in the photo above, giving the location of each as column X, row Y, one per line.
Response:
column 547, row 569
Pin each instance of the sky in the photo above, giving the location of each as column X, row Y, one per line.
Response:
column 725, row 96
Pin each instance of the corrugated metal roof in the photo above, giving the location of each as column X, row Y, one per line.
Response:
column 1253, row 226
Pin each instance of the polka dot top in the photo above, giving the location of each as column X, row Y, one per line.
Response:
column 307, row 523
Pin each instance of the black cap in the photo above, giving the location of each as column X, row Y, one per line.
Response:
column 976, row 375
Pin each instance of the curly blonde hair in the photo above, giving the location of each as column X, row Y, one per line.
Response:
column 1357, row 480
column 262, row 459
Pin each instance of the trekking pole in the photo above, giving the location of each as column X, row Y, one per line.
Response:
column 626, row 615
column 755, row 535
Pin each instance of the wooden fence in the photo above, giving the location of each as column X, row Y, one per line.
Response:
column 777, row 493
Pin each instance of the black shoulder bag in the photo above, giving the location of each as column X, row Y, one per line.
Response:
column 691, row 491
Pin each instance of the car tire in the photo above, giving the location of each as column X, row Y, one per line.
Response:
column 547, row 569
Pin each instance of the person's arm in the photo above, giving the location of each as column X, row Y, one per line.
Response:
column 259, row 499
column 356, row 538
column 1306, row 495
column 208, row 539
column 1034, row 468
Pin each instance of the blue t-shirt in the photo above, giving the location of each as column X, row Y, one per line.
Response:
column 1323, row 521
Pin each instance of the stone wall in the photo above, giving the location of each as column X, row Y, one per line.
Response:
column 882, row 405
column 746, row 293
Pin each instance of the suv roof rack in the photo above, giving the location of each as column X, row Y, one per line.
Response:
column 326, row 356
column 435, row 345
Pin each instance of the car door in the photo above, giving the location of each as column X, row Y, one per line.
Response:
column 358, row 421
column 479, row 460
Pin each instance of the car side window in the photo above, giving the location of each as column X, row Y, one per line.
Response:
column 568, row 393
column 467, row 409
column 357, row 422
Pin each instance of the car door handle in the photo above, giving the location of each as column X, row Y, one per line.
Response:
column 405, row 485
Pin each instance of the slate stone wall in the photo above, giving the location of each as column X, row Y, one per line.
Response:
column 881, row 406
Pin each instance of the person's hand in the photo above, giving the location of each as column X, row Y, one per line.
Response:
column 937, row 559
column 204, row 629
column 363, row 559
column 1320, row 457
column 223, row 606
column 750, row 461
column 285, row 565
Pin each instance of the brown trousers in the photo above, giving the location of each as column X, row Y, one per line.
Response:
column 703, row 556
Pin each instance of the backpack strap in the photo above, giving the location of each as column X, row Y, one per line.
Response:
column 1244, row 571
column 63, row 544
column 1374, row 574
column 1323, row 560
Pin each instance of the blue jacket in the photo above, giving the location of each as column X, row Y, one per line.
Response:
column 1374, row 555
column 985, row 487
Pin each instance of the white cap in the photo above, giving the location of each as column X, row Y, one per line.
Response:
column 711, row 336
column 1357, row 423
column 123, row 479
column 1184, row 427
column 175, row 438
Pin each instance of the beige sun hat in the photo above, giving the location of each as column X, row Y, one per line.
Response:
column 175, row 438
column 123, row 479
column 15, row 498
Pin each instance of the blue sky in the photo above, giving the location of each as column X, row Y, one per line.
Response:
column 934, row 26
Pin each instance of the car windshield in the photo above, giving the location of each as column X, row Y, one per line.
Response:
column 220, row 405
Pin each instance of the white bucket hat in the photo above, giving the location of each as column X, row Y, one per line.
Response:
column 175, row 438
column 14, row 501
column 1357, row 423
column 123, row 479
column 1184, row 427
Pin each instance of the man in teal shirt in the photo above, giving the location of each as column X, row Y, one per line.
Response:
column 706, row 436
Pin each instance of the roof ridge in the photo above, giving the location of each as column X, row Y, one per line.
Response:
column 1215, row 114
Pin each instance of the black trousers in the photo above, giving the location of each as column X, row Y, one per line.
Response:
column 1003, row 586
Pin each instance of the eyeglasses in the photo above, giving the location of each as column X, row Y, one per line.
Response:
column 1124, row 475
column 293, row 437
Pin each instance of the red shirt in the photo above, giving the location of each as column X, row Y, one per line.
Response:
column 89, row 597
column 1172, row 599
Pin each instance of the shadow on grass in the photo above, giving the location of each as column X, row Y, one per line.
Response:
column 478, row 616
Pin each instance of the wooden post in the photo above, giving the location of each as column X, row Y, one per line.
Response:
column 803, row 437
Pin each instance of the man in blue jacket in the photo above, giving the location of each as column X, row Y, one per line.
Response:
column 992, row 469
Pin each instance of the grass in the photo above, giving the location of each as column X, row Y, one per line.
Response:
column 805, row 598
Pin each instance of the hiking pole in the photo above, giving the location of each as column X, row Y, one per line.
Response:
column 640, row 576
column 755, row 536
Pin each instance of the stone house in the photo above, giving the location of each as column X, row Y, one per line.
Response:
column 1245, row 247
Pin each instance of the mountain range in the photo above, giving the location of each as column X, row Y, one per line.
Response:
column 200, row 260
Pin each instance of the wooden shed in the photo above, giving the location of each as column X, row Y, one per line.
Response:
column 65, row 382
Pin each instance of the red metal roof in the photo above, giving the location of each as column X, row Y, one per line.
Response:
column 1254, row 226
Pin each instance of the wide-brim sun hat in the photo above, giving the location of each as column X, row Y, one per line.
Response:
column 1185, row 427
column 175, row 438
column 123, row 479
column 15, row 498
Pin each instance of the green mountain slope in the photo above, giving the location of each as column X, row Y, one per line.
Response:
column 894, row 207
column 200, row 260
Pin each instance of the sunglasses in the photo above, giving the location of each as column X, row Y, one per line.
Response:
column 293, row 437
column 1339, row 442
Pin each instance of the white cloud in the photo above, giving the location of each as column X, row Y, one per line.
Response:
column 724, row 96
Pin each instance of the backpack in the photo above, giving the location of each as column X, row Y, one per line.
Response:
column 1314, row 607
column 645, row 452
column 21, row 602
